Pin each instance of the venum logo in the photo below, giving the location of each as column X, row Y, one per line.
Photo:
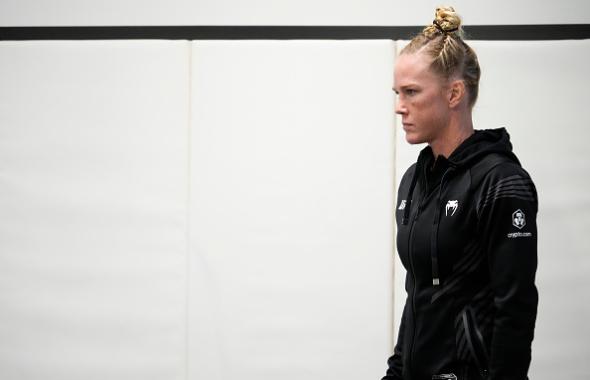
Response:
column 518, row 219
column 451, row 206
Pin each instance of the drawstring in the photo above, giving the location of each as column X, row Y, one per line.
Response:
column 434, row 233
column 406, row 215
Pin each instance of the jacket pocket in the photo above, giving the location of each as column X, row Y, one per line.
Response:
column 472, row 342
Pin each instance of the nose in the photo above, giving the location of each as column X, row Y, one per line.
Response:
column 400, row 107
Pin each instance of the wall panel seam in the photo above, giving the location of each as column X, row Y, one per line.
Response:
column 188, row 208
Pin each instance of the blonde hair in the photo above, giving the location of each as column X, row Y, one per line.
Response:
column 443, row 42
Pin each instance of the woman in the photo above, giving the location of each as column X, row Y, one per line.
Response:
column 466, row 224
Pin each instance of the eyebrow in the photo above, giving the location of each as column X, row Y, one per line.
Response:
column 404, row 87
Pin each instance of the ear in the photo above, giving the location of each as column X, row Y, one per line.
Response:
column 456, row 93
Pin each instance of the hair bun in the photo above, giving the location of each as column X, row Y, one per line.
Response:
column 446, row 20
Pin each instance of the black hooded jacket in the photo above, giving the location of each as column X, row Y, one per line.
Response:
column 467, row 235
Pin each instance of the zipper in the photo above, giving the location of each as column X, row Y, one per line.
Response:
column 410, row 254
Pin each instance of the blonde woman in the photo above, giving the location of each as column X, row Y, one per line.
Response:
column 466, row 223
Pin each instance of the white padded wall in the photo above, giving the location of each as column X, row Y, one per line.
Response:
column 93, row 179
column 289, row 207
column 291, row 217
column 538, row 91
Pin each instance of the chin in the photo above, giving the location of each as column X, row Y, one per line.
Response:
column 412, row 138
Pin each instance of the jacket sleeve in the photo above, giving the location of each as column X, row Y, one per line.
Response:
column 394, row 363
column 507, row 208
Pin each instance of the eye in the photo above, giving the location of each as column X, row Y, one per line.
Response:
column 411, row 91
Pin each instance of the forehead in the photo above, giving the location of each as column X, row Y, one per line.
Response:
column 413, row 68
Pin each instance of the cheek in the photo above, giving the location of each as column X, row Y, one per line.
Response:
column 423, row 100
column 430, row 108
column 423, row 109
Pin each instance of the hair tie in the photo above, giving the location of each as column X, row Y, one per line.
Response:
column 440, row 28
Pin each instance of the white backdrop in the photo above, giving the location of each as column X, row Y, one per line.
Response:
column 291, row 207
column 93, row 163
column 285, row 12
column 170, row 209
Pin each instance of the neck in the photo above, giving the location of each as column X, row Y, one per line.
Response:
column 457, row 131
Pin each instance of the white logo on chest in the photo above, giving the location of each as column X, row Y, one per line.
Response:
column 402, row 205
column 452, row 207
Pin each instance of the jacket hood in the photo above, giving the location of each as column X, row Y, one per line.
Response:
column 476, row 146
column 482, row 143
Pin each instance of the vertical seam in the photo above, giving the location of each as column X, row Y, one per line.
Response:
column 188, row 212
column 394, row 229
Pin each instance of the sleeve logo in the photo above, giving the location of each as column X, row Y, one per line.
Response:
column 518, row 219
